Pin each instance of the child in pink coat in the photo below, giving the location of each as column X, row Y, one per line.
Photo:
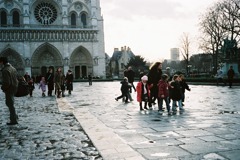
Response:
column 143, row 92
column 42, row 85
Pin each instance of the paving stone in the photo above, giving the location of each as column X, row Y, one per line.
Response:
column 92, row 125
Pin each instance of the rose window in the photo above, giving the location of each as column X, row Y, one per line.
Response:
column 45, row 13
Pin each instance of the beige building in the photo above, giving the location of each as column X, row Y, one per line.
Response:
column 175, row 54
column 38, row 34
column 119, row 61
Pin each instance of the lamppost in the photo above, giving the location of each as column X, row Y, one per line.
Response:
column 189, row 69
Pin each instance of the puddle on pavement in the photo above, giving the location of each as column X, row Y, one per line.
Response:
column 156, row 120
column 229, row 112
column 147, row 142
column 160, row 154
column 84, row 104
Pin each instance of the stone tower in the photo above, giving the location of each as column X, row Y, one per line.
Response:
column 39, row 34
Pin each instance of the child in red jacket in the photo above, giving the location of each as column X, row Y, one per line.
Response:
column 143, row 92
column 163, row 93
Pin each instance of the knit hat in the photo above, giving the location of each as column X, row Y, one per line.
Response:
column 144, row 78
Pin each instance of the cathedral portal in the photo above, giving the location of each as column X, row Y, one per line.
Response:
column 44, row 57
column 81, row 63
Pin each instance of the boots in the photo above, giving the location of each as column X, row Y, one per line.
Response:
column 63, row 94
column 58, row 94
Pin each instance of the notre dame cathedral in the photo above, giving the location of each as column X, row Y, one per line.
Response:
column 39, row 34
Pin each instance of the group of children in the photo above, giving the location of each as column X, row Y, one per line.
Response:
column 173, row 90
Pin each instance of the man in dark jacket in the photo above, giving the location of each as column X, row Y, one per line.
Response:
column 130, row 74
column 50, row 81
column 230, row 75
column 9, row 87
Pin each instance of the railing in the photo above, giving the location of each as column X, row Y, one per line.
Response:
column 44, row 33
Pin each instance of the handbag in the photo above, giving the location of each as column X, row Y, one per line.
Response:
column 23, row 88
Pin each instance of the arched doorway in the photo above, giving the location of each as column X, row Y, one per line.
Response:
column 14, row 59
column 81, row 63
column 46, row 56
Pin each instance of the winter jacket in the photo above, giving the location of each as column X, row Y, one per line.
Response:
column 9, row 79
column 175, row 91
column 184, row 86
column 163, row 89
column 139, row 90
column 125, row 87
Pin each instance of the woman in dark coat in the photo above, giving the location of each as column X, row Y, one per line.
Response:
column 154, row 75
column 50, row 81
column 69, row 81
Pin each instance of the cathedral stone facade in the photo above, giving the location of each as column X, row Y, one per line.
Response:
column 39, row 34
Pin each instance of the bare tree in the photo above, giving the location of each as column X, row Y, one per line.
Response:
column 220, row 22
column 185, row 49
column 212, row 34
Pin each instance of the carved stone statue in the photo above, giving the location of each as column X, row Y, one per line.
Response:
column 229, row 49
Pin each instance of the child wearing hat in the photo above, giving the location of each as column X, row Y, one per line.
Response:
column 143, row 92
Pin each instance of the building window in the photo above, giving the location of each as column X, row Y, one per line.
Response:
column 84, row 20
column 45, row 13
column 3, row 19
column 73, row 19
column 16, row 19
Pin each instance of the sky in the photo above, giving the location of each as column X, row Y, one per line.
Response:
column 151, row 27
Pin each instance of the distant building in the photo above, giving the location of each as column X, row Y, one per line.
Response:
column 175, row 54
column 119, row 61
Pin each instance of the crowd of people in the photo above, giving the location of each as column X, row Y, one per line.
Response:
column 152, row 88
column 10, row 85
column 158, row 86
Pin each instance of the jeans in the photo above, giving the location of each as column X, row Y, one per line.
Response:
column 10, row 104
column 174, row 104
column 160, row 103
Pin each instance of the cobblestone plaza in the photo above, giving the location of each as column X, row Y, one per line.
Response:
column 90, row 124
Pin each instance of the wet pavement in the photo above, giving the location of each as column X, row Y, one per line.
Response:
column 52, row 128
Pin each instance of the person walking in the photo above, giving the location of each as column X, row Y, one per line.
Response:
column 163, row 93
column 69, row 81
column 220, row 77
column 27, row 77
column 143, row 92
column 184, row 86
column 90, row 79
column 42, row 86
column 31, row 86
column 230, row 75
column 59, row 80
column 9, row 87
column 124, row 89
column 50, row 81
column 176, row 94
column 154, row 76
column 130, row 74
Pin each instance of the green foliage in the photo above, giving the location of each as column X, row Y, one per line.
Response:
column 138, row 64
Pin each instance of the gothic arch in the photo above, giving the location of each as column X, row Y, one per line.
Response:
column 45, row 56
column 3, row 18
column 84, row 19
column 15, row 59
column 81, row 62
column 73, row 19
column 16, row 18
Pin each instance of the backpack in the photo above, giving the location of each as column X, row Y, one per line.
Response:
column 23, row 88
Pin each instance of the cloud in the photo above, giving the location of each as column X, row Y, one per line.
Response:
column 154, row 9
column 150, row 27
